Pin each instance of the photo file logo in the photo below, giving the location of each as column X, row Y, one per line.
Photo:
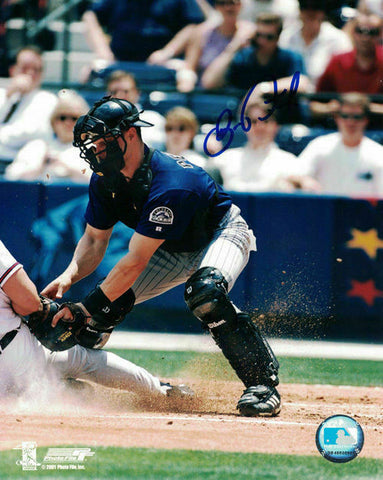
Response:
column 55, row 458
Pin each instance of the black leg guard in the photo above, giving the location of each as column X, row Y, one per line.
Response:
column 248, row 352
column 240, row 340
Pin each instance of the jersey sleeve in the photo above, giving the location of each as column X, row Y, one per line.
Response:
column 99, row 213
column 8, row 265
column 167, row 216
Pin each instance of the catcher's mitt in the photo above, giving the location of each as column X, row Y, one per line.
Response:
column 87, row 333
column 62, row 336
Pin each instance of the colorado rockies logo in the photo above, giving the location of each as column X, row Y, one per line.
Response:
column 162, row 215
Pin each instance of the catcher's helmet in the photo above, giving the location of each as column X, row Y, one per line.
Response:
column 107, row 119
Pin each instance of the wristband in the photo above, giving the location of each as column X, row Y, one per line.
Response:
column 104, row 313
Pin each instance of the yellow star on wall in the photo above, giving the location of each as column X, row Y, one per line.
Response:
column 367, row 241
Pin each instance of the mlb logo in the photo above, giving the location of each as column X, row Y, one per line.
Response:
column 337, row 436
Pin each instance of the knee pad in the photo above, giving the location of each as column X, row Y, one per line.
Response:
column 206, row 296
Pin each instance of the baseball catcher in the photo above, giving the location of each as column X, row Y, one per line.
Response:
column 186, row 231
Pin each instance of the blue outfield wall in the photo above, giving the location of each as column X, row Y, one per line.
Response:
column 318, row 271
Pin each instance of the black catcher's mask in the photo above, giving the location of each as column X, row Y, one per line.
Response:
column 107, row 120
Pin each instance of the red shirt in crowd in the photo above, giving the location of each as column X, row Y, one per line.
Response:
column 343, row 75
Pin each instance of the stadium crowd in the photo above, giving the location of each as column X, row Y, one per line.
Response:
column 304, row 79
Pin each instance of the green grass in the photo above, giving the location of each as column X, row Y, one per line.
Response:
column 292, row 370
column 150, row 464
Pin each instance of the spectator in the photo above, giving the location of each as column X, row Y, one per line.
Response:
column 260, row 165
column 314, row 38
column 121, row 84
column 25, row 109
column 210, row 39
column 360, row 70
column 243, row 66
column 137, row 28
column 181, row 130
column 181, row 127
column 345, row 162
column 55, row 158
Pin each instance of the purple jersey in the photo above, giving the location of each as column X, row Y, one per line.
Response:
column 183, row 207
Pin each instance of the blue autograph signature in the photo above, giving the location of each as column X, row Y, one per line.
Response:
column 222, row 129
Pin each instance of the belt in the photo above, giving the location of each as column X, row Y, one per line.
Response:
column 7, row 339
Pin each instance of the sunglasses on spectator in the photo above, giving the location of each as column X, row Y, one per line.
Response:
column 353, row 116
column 227, row 2
column 180, row 128
column 267, row 36
column 62, row 118
column 369, row 32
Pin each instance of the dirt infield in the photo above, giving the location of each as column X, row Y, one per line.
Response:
column 104, row 417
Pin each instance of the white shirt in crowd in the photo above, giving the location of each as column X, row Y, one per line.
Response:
column 329, row 42
column 154, row 136
column 9, row 320
column 48, row 160
column 342, row 170
column 29, row 121
column 246, row 169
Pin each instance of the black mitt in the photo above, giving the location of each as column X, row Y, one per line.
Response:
column 86, row 333
column 62, row 336
column 96, row 316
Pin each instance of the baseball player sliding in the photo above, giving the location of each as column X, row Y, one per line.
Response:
column 187, row 230
column 25, row 362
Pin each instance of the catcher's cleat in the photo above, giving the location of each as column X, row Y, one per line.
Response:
column 178, row 391
column 259, row 401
